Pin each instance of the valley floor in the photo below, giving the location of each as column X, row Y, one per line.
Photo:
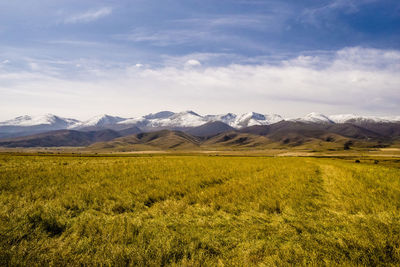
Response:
column 203, row 209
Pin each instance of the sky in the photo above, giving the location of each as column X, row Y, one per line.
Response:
column 129, row 58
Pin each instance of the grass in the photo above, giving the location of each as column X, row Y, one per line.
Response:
column 198, row 210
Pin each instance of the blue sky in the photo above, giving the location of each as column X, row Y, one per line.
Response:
column 82, row 58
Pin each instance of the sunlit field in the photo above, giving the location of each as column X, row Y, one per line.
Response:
column 198, row 210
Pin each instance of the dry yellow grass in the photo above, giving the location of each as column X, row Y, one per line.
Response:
column 153, row 210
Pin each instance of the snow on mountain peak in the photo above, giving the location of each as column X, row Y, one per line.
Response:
column 228, row 116
column 225, row 118
column 394, row 118
column 315, row 117
column 246, row 119
column 342, row 118
column 159, row 115
column 100, row 120
column 254, row 115
column 46, row 119
column 171, row 120
column 249, row 119
column 273, row 118
column 352, row 118
column 253, row 118
column 181, row 119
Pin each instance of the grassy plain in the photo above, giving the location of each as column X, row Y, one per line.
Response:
column 192, row 210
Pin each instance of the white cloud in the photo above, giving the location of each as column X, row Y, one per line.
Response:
column 272, row 21
column 34, row 66
column 89, row 16
column 221, row 29
column 351, row 80
column 315, row 15
column 191, row 36
column 166, row 37
column 192, row 63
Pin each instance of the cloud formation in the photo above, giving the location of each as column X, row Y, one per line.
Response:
column 89, row 16
column 314, row 15
column 192, row 63
column 350, row 80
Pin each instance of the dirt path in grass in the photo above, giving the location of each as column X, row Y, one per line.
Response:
column 331, row 183
column 340, row 187
column 337, row 186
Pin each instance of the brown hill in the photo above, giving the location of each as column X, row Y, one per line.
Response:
column 217, row 135
column 299, row 133
column 210, row 129
column 236, row 139
column 163, row 140
column 60, row 138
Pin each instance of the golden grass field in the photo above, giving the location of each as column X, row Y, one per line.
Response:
column 192, row 210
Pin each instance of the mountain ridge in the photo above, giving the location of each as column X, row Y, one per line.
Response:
column 218, row 135
column 28, row 125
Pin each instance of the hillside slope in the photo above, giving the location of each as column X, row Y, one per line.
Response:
column 60, row 138
column 160, row 140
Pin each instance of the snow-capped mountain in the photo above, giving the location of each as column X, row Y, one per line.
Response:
column 47, row 119
column 356, row 119
column 245, row 120
column 228, row 118
column 168, row 119
column 25, row 125
column 252, row 118
column 314, row 117
column 98, row 121
column 182, row 119
column 159, row 115
column 191, row 119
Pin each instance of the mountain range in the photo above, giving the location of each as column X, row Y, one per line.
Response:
column 189, row 130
